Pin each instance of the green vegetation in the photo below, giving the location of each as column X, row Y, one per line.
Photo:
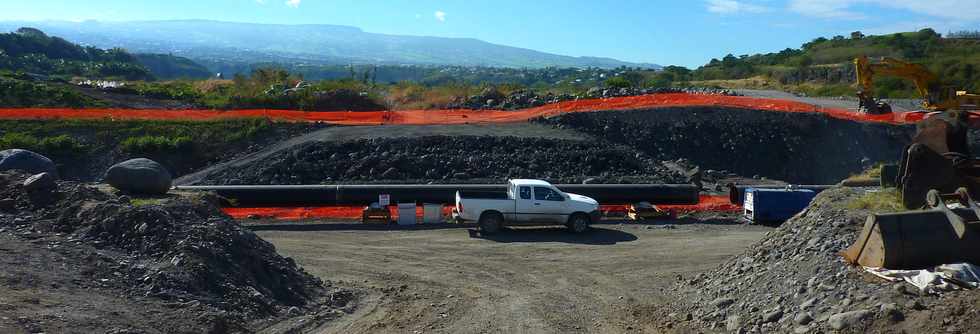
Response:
column 823, row 66
column 61, row 145
column 156, row 144
column 30, row 50
column 21, row 90
column 181, row 146
column 883, row 201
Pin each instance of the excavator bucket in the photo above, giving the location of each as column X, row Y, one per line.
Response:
column 920, row 239
column 937, row 159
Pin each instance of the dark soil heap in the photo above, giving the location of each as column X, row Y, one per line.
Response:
column 180, row 252
column 462, row 159
column 793, row 147
column 793, row 280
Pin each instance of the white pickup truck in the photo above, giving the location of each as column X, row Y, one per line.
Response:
column 526, row 203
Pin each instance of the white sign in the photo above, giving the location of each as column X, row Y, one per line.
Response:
column 384, row 200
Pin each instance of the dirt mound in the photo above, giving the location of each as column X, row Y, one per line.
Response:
column 462, row 159
column 794, row 280
column 169, row 250
column 794, row 147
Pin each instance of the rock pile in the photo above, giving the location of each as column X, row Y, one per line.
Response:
column 793, row 280
column 793, row 147
column 458, row 159
column 181, row 250
column 491, row 98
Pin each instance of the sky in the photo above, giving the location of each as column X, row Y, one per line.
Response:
column 687, row 33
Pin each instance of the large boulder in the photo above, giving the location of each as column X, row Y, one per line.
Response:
column 27, row 161
column 139, row 176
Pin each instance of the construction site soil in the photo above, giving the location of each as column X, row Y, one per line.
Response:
column 794, row 280
column 78, row 259
column 523, row 280
column 84, row 259
column 453, row 159
column 796, row 148
column 610, row 146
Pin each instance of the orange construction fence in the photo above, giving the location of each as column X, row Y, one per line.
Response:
column 463, row 116
column 707, row 203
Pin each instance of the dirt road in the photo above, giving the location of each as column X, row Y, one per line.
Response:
column 898, row 105
column 542, row 280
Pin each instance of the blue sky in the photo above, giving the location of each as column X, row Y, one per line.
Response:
column 685, row 33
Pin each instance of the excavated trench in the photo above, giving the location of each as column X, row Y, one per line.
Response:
column 800, row 148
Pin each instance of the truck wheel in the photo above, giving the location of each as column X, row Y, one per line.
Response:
column 490, row 223
column 578, row 223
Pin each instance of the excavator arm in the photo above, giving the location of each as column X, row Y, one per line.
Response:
column 935, row 96
column 926, row 83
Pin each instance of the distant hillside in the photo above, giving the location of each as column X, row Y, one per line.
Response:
column 226, row 42
column 823, row 66
column 32, row 51
column 167, row 67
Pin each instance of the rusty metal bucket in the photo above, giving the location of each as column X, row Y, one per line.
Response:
column 920, row 239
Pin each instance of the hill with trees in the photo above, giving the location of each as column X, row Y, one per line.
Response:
column 824, row 66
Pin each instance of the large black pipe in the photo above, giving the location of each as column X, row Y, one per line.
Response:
column 309, row 195
column 736, row 192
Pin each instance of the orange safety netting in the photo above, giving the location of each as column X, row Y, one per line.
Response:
column 322, row 212
column 707, row 203
column 462, row 116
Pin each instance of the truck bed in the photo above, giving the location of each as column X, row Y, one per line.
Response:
column 483, row 194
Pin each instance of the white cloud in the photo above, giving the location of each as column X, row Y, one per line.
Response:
column 968, row 10
column 293, row 3
column 440, row 15
column 733, row 7
column 837, row 9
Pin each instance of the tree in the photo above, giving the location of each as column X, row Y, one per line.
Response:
column 635, row 78
column 618, row 82
column 857, row 35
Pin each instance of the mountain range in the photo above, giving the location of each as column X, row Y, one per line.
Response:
column 216, row 41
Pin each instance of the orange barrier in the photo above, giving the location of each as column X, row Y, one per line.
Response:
column 323, row 212
column 708, row 203
column 462, row 116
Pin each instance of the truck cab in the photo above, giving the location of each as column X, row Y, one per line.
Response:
column 527, row 203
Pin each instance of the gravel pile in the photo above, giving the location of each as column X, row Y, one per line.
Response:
column 793, row 147
column 491, row 98
column 176, row 249
column 793, row 280
column 456, row 159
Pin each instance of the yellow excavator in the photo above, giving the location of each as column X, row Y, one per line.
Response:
column 937, row 167
column 936, row 97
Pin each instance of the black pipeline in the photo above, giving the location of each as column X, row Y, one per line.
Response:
column 310, row 195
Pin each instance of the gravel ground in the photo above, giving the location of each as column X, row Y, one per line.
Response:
column 793, row 280
column 531, row 280
column 847, row 102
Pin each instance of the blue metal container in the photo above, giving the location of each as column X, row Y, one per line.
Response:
column 775, row 205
